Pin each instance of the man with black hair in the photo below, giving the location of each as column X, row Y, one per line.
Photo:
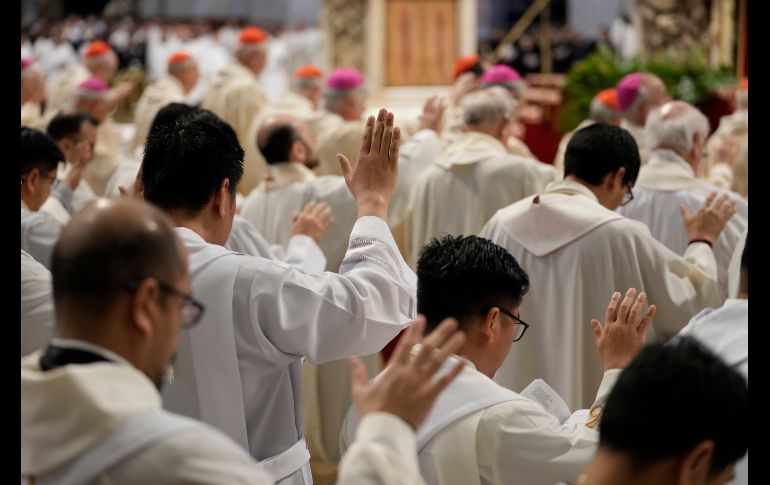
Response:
column 479, row 431
column 698, row 439
column 290, row 151
column 239, row 370
column 39, row 161
column 578, row 250
column 76, row 136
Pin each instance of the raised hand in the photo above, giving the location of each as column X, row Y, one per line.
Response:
column 707, row 224
column 373, row 180
column 313, row 221
column 407, row 388
column 622, row 336
column 432, row 114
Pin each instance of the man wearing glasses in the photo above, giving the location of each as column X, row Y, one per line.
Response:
column 479, row 431
column 39, row 159
column 578, row 250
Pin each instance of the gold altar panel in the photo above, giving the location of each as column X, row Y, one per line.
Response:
column 421, row 42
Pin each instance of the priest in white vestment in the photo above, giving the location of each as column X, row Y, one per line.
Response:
column 181, row 79
column 338, row 126
column 76, row 136
column 41, row 222
column 235, row 95
column 639, row 93
column 676, row 133
column 505, row 437
column 33, row 94
column 727, row 161
column 467, row 73
column 244, row 378
column 301, row 102
column 603, row 109
column 475, row 176
column 577, row 250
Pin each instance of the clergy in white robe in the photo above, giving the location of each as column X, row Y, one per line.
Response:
column 235, row 95
column 639, row 93
column 474, row 177
column 90, row 399
column 290, row 150
column 173, row 88
column 637, row 445
column 577, row 251
column 41, row 222
column 603, row 109
column 676, row 133
column 94, row 97
column 239, row 370
column 727, row 161
column 37, row 315
column 33, row 94
column 300, row 102
column 338, row 128
column 506, row 437
column 76, row 136
column 98, row 60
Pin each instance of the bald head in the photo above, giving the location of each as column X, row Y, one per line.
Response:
column 284, row 138
column 106, row 245
column 32, row 85
column 677, row 126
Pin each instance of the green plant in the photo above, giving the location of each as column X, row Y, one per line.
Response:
column 688, row 78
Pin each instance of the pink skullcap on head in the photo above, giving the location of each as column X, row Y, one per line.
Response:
column 94, row 84
column 500, row 74
column 628, row 88
column 25, row 63
column 344, row 78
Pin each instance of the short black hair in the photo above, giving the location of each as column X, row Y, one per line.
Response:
column 172, row 112
column 702, row 397
column 186, row 161
column 93, row 269
column 463, row 276
column 39, row 151
column 277, row 144
column 600, row 149
column 68, row 125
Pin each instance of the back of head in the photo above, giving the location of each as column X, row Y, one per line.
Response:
column 171, row 113
column 68, row 125
column 674, row 126
column 639, row 92
column 506, row 77
column 274, row 141
column 341, row 84
column 38, row 150
column 470, row 63
column 487, row 108
column 107, row 245
column 604, row 107
column 600, row 149
column 705, row 399
column 185, row 162
column 464, row 276
column 306, row 78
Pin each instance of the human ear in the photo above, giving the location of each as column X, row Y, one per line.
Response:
column 143, row 305
column 696, row 464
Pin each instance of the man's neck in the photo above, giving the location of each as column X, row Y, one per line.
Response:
column 609, row 468
column 196, row 224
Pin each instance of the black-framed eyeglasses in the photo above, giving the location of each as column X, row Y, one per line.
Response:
column 628, row 197
column 518, row 330
column 192, row 309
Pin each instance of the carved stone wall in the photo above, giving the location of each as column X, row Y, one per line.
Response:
column 672, row 26
column 344, row 24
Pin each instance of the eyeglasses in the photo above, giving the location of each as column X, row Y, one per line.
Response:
column 44, row 176
column 518, row 331
column 192, row 309
column 628, row 197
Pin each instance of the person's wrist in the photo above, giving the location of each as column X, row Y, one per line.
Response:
column 704, row 238
column 372, row 205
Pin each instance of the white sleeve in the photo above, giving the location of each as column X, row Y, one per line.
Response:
column 303, row 253
column 384, row 452
column 37, row 314
column 333, row 316
column 519, row 442
column 59, row 204
column 39, row 233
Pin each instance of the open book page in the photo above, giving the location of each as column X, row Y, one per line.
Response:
column 539, row 391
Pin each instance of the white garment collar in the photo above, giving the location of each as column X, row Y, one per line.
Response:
column 471, row 147
column 666, row 170
column 90, row 347
column 570, row 187
column 286, row 173
column 24, row 206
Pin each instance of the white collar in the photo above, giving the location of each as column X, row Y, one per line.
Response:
column 570, row 187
